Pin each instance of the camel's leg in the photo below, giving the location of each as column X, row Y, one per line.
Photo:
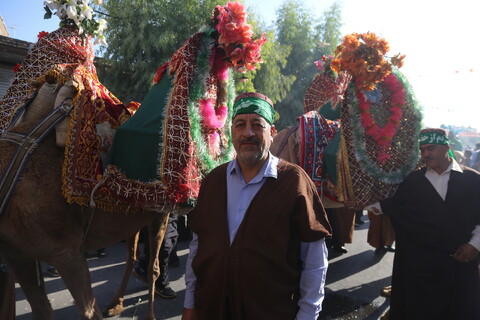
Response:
column 73, row 269
column 29, row 276
column 115, row 306
column 156, row 233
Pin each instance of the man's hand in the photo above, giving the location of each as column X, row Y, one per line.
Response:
column 189, row 314
column 465, row 253
column 374, row 208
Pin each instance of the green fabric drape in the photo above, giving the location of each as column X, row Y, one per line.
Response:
column 136, row 146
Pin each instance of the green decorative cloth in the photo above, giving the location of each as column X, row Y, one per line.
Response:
column 254, row 105
column 431, row 137
column 136, row 146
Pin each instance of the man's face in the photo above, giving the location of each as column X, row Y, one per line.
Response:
column 252, row 136
column 435, row 156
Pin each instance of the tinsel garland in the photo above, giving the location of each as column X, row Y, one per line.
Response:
column 358, row 133
column 197, row 91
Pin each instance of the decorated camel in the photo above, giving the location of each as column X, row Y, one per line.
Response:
column 358, row 137
column 60, row 194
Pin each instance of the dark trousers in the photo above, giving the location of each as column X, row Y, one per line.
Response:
column 7, row 295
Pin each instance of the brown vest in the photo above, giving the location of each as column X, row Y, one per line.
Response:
column 258, row 275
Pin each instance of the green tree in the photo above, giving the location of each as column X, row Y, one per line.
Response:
column 308, row 39
column 328, row 31
column 269, row 78
column 142, row 35
column 295, row 29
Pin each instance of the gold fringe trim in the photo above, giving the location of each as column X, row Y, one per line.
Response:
column 345, row 186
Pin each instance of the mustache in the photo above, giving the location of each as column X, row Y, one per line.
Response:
column 250, row 140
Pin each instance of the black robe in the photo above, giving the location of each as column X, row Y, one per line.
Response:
column 427, row 283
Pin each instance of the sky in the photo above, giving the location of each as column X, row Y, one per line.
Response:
column 438, row 37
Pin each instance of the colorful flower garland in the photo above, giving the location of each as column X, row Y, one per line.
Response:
column 201, row 119
column 362, row 55
column 383, row 135
column 358, row 134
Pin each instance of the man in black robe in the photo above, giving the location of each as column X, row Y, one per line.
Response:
column 436, row 215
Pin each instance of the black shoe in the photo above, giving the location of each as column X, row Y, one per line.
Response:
column 165, row 292
column 340, row 249
column 380, row 250
column 101, row 253
column 140, row 274
column 390, row 248
column 359, row 221
column 53, row 272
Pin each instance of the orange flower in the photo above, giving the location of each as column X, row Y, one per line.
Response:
column 363, row 57
column 397, row 60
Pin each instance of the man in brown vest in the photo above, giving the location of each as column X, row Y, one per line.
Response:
column 258, row 249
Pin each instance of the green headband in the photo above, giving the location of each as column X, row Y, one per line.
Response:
column 254, row 105
column 432, row 137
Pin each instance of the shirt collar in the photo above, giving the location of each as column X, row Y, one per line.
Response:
column 268, row 170
column 454, row 166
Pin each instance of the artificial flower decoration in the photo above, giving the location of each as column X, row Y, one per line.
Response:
column 362, row 55
column 323, row 65
column 79, row 14
column 235, row 37
column 42, row 34
column 16, row 67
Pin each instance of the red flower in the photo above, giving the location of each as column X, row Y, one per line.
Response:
column 253, row 50
column 237, row 12
column 42, row 34
column 233, row 34
column 235, row 37
column 16, row 67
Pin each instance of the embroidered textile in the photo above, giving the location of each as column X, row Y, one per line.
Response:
column 316, row 133
column 93, row 105
column 63, row 46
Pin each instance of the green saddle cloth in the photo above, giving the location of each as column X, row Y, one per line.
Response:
column 330, row 152
column 136, row 147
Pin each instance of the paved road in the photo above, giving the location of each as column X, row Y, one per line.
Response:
column 353, row 285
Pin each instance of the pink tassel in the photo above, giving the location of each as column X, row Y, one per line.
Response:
column 212, row 118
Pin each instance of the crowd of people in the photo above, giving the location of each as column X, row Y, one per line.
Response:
column 261, row 236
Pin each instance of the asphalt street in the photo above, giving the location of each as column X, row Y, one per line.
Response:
column 354, row 281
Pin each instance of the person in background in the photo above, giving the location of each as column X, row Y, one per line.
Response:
column 7, row 293
column 436, row 215
column 342, row 221
column 475, row 158
column 258, row 249
column 467, row 157
column 381, row 234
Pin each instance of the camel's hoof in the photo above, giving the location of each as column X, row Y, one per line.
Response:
column 113, row 309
